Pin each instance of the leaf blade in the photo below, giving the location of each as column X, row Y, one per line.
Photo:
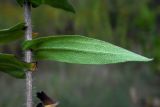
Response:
column 12, row 33
column 80, row 49
column 11, row 65
column 61, row 4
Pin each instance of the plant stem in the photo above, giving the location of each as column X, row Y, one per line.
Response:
column 28, row 53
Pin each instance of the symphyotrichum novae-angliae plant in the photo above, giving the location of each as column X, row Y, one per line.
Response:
column 75, row 49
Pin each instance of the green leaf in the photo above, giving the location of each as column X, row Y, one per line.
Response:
column 11, row 65
column 12, row 34
column 62, row 4
column 80, row 50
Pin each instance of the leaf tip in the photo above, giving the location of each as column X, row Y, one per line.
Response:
column 149, row 59
column 145, row 59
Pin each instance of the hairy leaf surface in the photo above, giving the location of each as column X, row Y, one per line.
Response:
column 12, row 66
column 80, row 50
column 62, row 4
column 12, row 34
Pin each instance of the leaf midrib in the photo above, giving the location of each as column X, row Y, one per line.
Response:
column 79, row 50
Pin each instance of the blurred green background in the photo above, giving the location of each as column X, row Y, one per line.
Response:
column 131, row 24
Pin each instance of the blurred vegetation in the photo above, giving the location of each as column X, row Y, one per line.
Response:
column 132, row 24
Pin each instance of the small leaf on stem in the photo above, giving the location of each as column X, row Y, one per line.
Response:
column 12, row 34
column 12, row 66
column 61, row 4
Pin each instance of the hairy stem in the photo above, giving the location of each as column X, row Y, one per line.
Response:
column 28, row 53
